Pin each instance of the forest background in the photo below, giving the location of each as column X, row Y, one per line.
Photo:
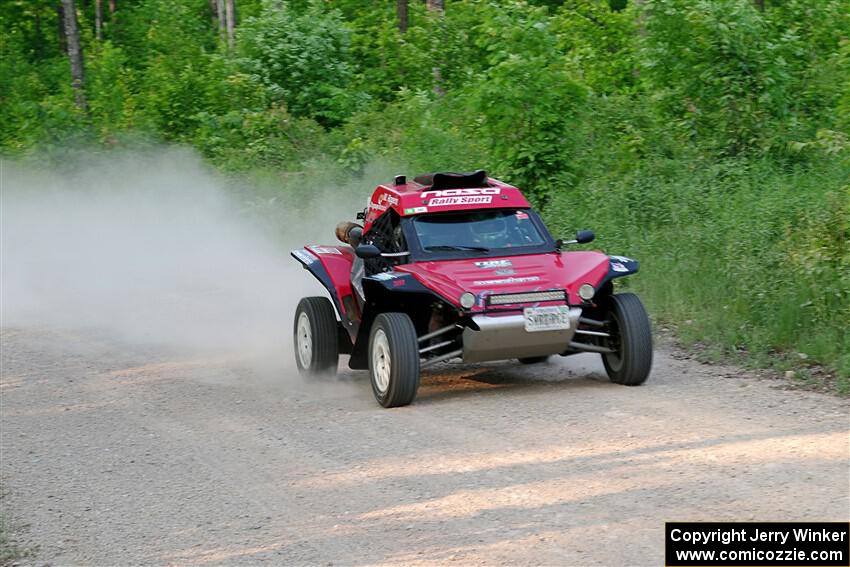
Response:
column 708, row 138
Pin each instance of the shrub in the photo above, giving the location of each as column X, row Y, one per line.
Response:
column 718, row 69
column 303, row 58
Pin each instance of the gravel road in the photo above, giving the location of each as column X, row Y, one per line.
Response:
column 118, row 454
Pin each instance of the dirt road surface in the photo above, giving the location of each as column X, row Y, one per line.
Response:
column 116, row 454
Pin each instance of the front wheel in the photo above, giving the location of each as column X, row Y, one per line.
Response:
column 316, row 339
column 394, row 360
column 631, row 339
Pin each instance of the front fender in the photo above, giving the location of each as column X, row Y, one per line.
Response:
column 392, row 291
column 619, row 266
column 331, row 265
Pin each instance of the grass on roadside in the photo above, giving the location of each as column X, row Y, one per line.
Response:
column 748, row 261
column 10, row 551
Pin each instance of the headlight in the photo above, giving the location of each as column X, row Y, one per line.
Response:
column 586, row 292
column 467, row 300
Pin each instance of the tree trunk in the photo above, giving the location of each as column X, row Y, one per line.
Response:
column 60, row 18
column 438, row 7
column 112, row 18
column 219, row 10
column 403, row 19
column 98, row 19
column 75, row 54
column 39, row 37
column 230, row 14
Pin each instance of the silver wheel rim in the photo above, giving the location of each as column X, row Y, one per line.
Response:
column 381, row 361
column 304, row 340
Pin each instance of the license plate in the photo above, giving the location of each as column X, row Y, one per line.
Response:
column 554, row 318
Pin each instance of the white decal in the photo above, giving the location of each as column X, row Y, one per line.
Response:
column 457, row 192
column 618, row 267
column 387, row 198
column 446, row 201
column 621, row 259
column 326, row 250
column 415, row 210
column 385, row 276
column 304, row 256
column 494, row 264
column 507, row 281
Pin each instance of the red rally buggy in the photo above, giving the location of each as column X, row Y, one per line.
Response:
column 458, row 266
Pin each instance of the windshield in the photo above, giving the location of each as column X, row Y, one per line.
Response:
column 477, row 230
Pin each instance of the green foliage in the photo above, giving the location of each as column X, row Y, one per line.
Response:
column 239, row 140
column 109, row 81
column 526, row 102
column 388, row 61
column 842, row 62
column 719, row 70
column 171, row 95
column 598, row 44
column 819, row 61
column 754, row 259
column 163, row 29
column 36, row 105
column 303, row 59
column 530, row 118
column 424, row 134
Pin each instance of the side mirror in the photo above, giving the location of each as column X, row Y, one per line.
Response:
column 366, row 251
column 584, row 236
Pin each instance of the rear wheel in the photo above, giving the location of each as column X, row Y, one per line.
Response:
column 394, row 360
column 631, row 339
column 316, row 341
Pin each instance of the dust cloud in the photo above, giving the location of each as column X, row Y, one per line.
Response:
column 158, row 249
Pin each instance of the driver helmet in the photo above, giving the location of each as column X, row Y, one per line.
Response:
column 489, row 230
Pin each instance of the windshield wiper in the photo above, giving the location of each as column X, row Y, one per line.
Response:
column 453, row 247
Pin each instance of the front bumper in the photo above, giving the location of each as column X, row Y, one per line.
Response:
column 503, row 337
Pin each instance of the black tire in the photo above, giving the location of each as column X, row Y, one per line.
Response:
column 322, row 356
column 533, row 359
column 393, row 360
column 631, row 335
